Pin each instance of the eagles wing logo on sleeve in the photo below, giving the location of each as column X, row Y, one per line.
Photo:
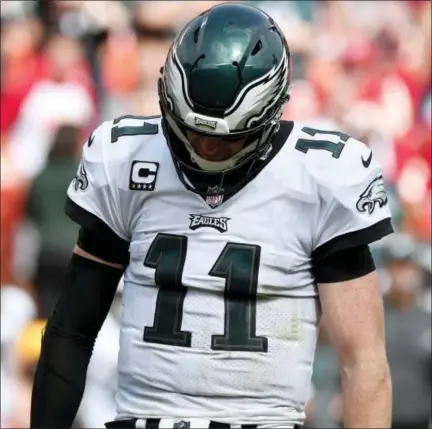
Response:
column 374, row 194
column 81, row 181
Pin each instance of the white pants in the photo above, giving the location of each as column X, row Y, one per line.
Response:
column 193, row 423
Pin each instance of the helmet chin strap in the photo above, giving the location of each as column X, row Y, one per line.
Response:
column 204, row 164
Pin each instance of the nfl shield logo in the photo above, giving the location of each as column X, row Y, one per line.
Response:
column 214, row 200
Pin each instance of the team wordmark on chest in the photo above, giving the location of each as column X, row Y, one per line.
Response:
column 200, row 221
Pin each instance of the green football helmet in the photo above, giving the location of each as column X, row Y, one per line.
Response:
column 227, row 74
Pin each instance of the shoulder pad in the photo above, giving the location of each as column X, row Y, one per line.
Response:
column 105, row 171
column 117, row 140
column 353, row 204
column 333, row 157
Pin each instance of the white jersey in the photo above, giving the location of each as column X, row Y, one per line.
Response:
column 97, row 405
column 220, row 305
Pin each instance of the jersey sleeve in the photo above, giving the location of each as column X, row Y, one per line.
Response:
column 354, row 209
column 93, row 195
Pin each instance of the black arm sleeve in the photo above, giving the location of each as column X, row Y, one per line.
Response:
column 96, row 237
column 68, row 341
column 343, row 265
column 108, row 247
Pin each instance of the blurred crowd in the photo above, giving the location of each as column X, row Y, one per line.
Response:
column 361, row 67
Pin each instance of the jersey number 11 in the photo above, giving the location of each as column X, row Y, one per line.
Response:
column 238, row 264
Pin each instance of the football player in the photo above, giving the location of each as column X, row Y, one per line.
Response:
column 233, row 230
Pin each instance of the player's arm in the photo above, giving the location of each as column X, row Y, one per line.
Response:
column 355, row 214
column 93, row 274
column 353, row 316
